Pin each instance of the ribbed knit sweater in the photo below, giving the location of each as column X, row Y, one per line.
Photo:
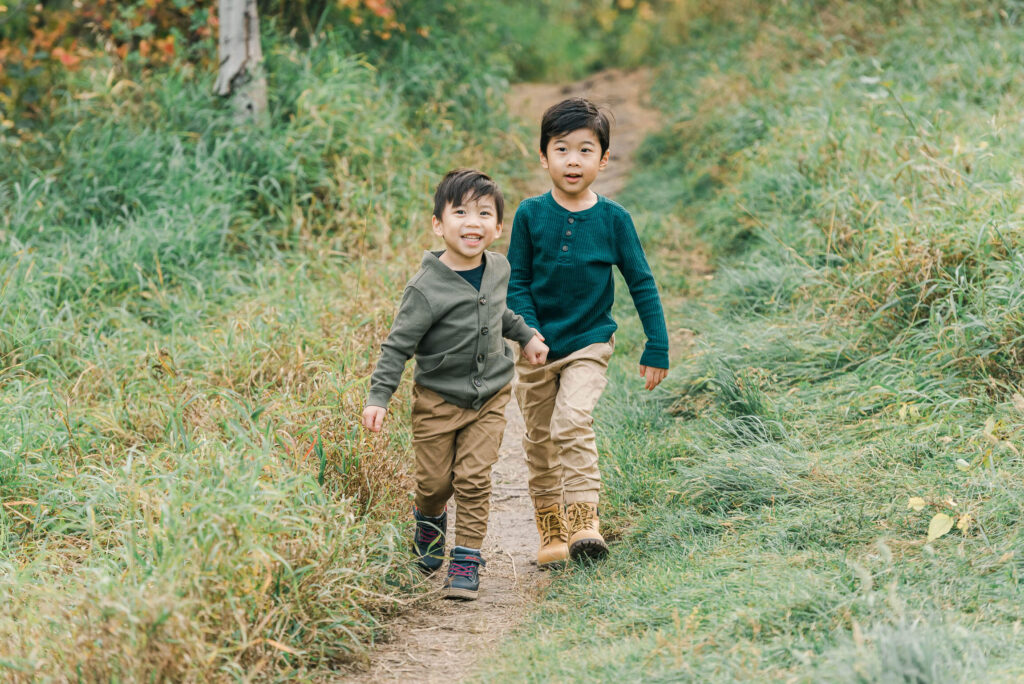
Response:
column 561, row 281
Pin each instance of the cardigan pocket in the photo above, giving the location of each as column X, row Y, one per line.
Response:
column 430, row 362
column 501, row 365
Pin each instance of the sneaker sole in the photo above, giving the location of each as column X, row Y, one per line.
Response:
column 588, row 548
column 463, row 594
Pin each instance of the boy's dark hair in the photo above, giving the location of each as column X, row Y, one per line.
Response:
column 571, row 115
column 463, row 185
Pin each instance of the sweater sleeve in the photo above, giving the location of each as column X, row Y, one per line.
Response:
column 520, row 258
column 644, row 291
column 411, row 323
column 514, row 327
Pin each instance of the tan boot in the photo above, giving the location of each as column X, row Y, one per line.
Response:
column 585, row 539
column 551, row 526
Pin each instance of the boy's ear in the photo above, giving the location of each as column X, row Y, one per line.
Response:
column 543, row 160
column 497, row 230
column 436, row 225
column 604, row 159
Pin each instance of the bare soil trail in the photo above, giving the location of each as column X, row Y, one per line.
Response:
column 442, row 641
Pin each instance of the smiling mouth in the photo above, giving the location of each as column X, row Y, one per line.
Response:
column 473, row 239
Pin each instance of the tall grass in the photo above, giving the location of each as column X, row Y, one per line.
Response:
column 189, row 310
column 852, row 169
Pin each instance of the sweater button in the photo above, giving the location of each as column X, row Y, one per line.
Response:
column 565, row 248
column 483, row 300
column 568, row 233
column 479, row 358
column 572, row 220
column 476, row 382
column 483, row 330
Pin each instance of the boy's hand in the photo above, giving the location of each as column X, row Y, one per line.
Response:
column 536, row 351
column 373, row 417
column 652, row 376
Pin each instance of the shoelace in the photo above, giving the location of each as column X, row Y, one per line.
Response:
column 462, row 569
column 426, row 534
column 550, row 526
column 580, row 516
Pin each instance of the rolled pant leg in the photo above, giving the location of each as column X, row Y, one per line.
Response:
column 433, row 441
column 581, row 382
column 536, row 388
column 476, row 452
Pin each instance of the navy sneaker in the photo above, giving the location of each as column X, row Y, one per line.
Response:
column 428, row 541
column 463, row 581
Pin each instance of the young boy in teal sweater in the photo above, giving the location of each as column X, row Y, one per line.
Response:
column 453, row 317
column 564, row 244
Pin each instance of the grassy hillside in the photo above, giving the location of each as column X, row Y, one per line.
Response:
column 855, row 385
column 189, row 310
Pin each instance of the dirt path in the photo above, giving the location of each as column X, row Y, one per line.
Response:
column 442, row 641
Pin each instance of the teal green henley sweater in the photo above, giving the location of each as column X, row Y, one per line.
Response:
column 561, row 281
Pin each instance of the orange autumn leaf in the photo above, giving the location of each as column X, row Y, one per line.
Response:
column 166, row 46
column 69, row 60
column 380, row 8
column 144, row 48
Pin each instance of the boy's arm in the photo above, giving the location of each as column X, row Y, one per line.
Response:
column 514, row 327
column 520, row 258
column 411, row 322
column 644, row 291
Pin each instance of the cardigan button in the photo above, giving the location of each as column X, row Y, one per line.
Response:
column 565, row 248
column 483, row 330
column 477, row 382
column 568, row 233
column 572, row 220
column 479, row 358
column 483, row 300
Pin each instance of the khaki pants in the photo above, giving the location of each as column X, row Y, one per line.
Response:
column 557, row 401
column 455, row 449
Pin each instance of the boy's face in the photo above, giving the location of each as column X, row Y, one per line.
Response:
column 573, row 161
column 467, row 230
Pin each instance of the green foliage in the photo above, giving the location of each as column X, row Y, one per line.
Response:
column 189, row 310
column 837, row 498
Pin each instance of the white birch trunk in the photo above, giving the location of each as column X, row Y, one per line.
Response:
column 241, row 59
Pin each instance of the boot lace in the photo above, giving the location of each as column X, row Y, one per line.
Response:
column 580, row 516
column 426, row 533
column 460, row 569
column 551, row 527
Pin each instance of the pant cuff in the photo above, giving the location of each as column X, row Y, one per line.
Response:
column 469, row 542
column 425, row 509
column 586, row 496
column 545, row 501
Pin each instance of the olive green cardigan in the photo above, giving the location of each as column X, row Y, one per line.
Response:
column 455, row 332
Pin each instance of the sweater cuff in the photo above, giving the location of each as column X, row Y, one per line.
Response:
column 522, row 334
column 654, row 357
column 379, row 398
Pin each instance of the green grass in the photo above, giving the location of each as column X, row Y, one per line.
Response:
column 189, row 312
column 851, row 170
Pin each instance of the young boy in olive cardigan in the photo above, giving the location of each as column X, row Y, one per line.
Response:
column 564, row 244
column 452, row 318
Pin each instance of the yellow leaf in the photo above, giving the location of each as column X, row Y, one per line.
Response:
column 964, row 523
column 915, row 503
column 989, row 429
column 940, row 525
